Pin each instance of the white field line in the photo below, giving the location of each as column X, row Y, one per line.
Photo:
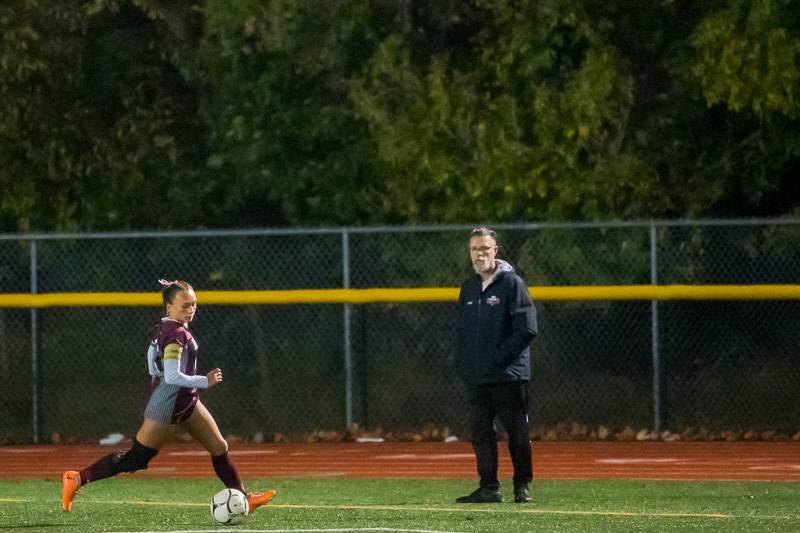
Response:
column 503, row 511
column 427, row 457
column 637, row 460
column 237, row 453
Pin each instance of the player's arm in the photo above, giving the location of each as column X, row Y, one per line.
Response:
column 172, row 369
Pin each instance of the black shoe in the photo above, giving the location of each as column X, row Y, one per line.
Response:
column 482, row 495
column 521, row 495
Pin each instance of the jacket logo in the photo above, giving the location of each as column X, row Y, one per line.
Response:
column 469, row 302
column 492, row 300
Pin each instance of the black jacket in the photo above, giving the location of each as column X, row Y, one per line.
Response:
column 495, row 328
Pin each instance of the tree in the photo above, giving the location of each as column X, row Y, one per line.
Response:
column 148, row 113
column 98, row 126
column 747, row 64
column 530, row 123
column 276, row 74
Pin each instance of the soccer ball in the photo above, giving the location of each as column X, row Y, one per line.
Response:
column 229, row 506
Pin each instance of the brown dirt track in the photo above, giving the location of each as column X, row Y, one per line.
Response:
column 762, row 461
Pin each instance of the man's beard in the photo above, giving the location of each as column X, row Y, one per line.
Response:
column 481, row 266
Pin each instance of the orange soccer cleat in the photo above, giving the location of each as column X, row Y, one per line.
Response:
column 257, row 499
column 70, row 485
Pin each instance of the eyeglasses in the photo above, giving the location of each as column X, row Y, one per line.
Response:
column 484, row 249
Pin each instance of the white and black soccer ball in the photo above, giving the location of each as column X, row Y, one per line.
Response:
column 229, row 506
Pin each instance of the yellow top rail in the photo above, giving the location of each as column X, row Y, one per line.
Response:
column 425, row 294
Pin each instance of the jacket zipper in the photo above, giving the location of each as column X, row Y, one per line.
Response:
column 478, row 333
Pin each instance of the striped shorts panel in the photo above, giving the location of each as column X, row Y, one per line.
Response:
column 169, row 404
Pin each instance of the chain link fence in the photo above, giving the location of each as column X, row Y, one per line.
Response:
column 722, row 366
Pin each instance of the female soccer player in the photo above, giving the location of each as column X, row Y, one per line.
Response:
column 172, row 360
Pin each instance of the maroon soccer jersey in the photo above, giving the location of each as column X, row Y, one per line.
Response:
column 173, row 332
column 172, row 404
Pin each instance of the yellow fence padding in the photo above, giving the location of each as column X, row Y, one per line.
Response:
column 425, row 294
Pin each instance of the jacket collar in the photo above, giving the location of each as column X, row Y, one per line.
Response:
column 501, row 268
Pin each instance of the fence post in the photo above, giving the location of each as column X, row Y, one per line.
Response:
column 348, row 340
column 34, row 347
column 654, row 335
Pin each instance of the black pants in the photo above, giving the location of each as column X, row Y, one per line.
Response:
column 509, row 403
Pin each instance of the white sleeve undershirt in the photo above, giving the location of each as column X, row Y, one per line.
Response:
column 174, row 376
column 152, row 353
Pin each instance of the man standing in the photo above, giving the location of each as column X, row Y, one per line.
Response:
column 496, row 323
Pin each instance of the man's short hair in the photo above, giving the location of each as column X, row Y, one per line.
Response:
column 481, row 231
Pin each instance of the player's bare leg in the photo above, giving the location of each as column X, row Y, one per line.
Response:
column 202, row 426
column 152, row 435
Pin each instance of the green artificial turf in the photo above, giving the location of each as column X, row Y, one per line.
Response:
column 338, row 504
